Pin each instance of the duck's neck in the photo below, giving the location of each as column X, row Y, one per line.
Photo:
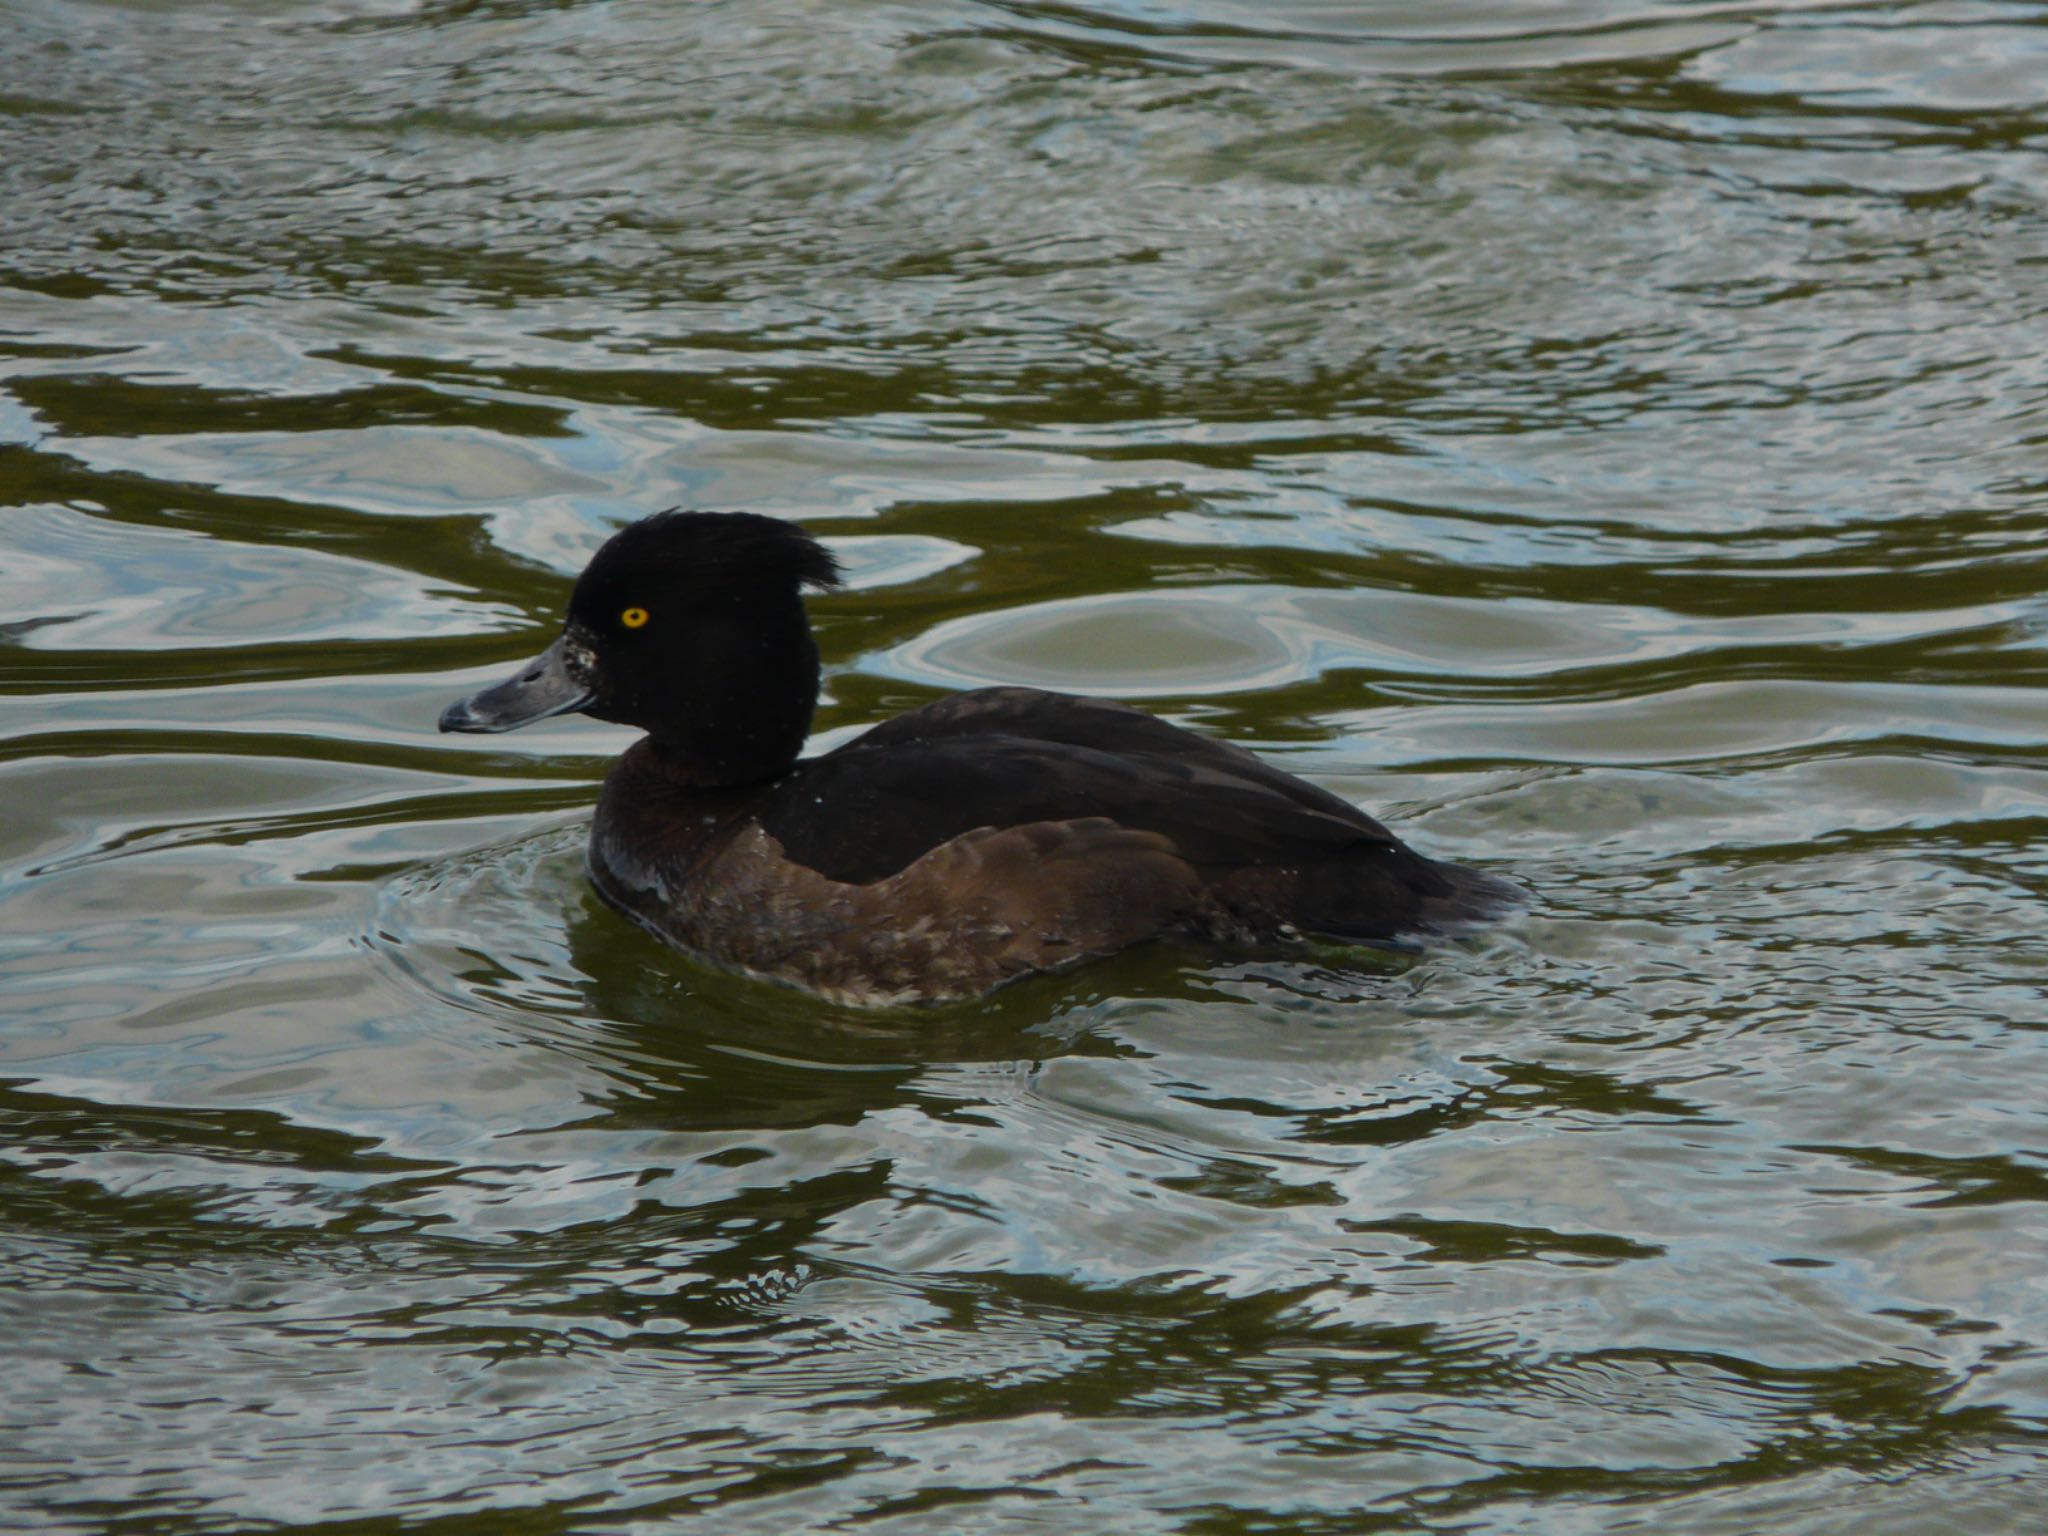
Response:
column 710, row 767
column 741, row 713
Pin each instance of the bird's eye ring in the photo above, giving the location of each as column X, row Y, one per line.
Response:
column 634, row 618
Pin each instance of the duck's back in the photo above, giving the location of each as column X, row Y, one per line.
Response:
column 1273, row 851
column 1005, row 757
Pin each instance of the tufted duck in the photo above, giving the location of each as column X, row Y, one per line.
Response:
column 949, row 850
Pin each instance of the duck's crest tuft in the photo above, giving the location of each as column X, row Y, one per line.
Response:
column 744, row 548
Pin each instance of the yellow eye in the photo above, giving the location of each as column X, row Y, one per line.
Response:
column 633, row 618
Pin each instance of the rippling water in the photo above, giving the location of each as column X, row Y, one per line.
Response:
column 1605, row 438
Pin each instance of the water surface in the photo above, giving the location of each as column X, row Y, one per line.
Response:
column 1605, row 439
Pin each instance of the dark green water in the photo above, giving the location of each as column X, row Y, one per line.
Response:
column 1607, row 439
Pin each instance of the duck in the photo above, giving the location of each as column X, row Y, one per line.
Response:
column 981, row 838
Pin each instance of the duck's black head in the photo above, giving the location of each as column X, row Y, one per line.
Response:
column 691, row 626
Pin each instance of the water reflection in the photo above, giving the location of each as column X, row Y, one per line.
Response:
column 1602, row 437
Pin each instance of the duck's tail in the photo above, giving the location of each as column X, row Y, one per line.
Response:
column 1402, row 899
column 1471, row 899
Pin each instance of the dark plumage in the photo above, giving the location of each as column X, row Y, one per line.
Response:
column 946, row 851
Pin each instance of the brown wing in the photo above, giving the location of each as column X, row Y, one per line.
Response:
column 971, row 914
